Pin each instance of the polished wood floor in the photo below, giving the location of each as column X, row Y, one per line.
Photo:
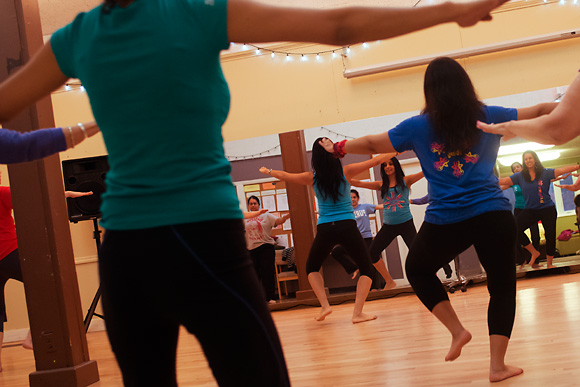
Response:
column 405, row 346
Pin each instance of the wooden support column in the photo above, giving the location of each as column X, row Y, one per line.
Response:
column 45, row 247
column 301, row 203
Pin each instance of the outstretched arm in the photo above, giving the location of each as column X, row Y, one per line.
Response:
column 505, row 182
column 567, row 169
column 40, row 76
column 304, row 178
column 281, row 219
column 375, row 185
column 570, row 187
column 412, row 179
column 558, row 127
column 253, row 214
column 372, row 144
column 75, row 194
column 354, row 169
column 250, row 21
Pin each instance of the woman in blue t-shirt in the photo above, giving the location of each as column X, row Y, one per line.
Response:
column 534, row 181
column 336, row 223
column 397, row 218
column 466, row 205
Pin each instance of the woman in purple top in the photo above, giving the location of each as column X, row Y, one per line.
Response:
column 534, row 180
column 466, row 205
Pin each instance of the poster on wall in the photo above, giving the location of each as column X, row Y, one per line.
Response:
column 282, row 200
column 269, row 203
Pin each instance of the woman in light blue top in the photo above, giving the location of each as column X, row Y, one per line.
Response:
column 397, row 218
column 336, row 223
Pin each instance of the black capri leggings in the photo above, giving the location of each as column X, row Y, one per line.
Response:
column 387, row 233
column 345, row 233
column 192, row 276
column 548, row 216
column 493, row 234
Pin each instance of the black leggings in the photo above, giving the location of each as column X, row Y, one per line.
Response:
column 193, row 276
column 548, row 216
column 387, row 233
column 9, row 269
column 345, row 233
column 534, row 230
column 264, row 258
column 340, row 254
column 493, row 234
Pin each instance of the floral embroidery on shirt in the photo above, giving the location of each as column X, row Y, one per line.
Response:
column 457, row 171
column 442, row 163
column 393, row 202
column 469, row 158
column 540, row 191
column 437, row 148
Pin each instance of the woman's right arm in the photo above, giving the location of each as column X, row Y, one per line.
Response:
column 251, row 21
column 36, row 79
column 505, row 182
column 558, row 127
column 374, row 185
column 303, row 178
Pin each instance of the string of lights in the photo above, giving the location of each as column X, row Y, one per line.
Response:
column 272, row 151
column 304, row 56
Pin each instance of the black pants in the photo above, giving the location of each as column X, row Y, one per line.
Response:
column 493, row 234
column 264, row 258
column 9, row 269
column 548, row 216
column 345, row 233
column 340, row 254
column 534, row 229
column 155, row 280
column 387, row 233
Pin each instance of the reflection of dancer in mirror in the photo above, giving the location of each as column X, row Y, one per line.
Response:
column 123, row 52
column 336, row 223
column 361, row 215
column 261, row 246
column 534, row 181
column 466, row 205
column 397, row 218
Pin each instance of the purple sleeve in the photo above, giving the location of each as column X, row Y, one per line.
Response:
column 423, row 200
column 16, row 147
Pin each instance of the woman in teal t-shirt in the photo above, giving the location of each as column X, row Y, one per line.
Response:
column 397, row 218
column 336, row 223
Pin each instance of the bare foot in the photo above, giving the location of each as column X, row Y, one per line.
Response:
column 27, row 343
column 534, row 257
column 535, row 266
column 391, row 284
column 354, row 274
column 323, row 313
column 523, row 266
column 457, row 344
column 507, row 372
column 362, row 318
column 551, row 266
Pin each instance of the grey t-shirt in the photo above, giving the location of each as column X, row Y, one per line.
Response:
column 259, row 230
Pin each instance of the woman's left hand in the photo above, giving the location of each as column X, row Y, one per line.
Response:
column 327, row 144
column 265, row 171
column 501, row 129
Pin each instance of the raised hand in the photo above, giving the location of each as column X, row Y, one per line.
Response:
column 327, row 144
column 473, row 12
column 501, row 129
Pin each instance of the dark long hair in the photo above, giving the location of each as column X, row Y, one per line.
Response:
column 255, row 198
column 399, row 177
column 452, row 105
column 328, row 175
column 538, row 167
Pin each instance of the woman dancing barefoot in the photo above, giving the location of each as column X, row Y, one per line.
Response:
column 336, row 223
column 466, row 205
column 534, row 181
column 397, row 218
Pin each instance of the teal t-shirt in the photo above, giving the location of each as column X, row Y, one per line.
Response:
column 329, row 211
column 153, row 76
column 519, row 195
column 396, row 206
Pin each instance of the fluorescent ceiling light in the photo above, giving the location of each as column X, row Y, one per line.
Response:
column 521, row 148
column 543, row 156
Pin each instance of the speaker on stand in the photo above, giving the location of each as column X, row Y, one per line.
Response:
column 83, row 175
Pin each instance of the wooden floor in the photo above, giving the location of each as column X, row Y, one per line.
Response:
column 405, row 346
